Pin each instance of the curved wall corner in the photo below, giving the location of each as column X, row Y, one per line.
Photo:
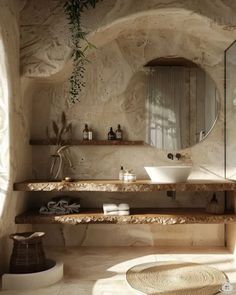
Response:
column 4, row 127
column 15, row 156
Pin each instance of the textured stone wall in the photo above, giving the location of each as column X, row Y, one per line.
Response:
column 14, row 131
column 127, row 35
column 45, row 44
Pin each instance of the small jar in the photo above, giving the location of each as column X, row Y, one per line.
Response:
column 129, row 176
column 90, row 135
column 121, row 173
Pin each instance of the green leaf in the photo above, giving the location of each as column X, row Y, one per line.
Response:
column 91, row 46
column 73, row 10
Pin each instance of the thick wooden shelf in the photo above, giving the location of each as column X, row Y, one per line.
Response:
column 138, row 216
column 119, row 186
column 88, row 142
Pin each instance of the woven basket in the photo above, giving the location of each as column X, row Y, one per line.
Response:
column 27, row 254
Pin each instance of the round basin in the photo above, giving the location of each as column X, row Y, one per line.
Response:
column 169, row 174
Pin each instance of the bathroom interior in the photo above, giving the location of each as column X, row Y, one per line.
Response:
column 165, row 71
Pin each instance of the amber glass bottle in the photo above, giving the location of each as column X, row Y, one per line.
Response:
column 119, row 133
column 86, row 132
column 111, row 135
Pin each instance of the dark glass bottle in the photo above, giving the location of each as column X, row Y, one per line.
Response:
column 111, row 135
column 119, row 133
column 86, row 132
column 121, row 173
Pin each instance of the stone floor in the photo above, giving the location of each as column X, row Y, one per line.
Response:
column 101, row 271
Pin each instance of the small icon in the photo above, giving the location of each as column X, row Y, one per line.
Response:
column 226, row 288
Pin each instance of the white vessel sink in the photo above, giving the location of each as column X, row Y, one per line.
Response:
column 168, row 174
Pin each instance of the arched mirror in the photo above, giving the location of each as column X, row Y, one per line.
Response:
column 183, row 103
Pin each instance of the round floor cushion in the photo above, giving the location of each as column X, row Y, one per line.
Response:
column 175, row 278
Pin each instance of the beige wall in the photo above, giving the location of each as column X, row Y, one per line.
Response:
column 127, row 34
column 17, row 115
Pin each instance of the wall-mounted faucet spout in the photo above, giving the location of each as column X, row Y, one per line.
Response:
column 170, row 156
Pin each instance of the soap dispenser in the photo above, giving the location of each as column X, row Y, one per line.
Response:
column 119, row 133
column 86, row 132
column 121, row 173
column 111, row 134
column 214, row 207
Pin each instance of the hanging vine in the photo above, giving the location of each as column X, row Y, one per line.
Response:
column 74, row 10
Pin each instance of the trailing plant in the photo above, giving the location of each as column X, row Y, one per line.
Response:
column 74, row 10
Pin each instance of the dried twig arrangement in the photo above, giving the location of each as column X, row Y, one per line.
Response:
column 60, row 131
column 61, row 153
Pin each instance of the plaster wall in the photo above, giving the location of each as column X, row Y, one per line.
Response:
column 230, row 112
column 127, row 34
column 14, row 132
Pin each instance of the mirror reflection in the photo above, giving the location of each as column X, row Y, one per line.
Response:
column 183, row 104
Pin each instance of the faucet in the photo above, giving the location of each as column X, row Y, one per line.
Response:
column 171, row 156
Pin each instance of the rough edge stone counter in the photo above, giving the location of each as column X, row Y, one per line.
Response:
column 119, row 186
column 168, row 216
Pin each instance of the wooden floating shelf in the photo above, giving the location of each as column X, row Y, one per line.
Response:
column 88, row 142
column 138, row 216
column 119, row 186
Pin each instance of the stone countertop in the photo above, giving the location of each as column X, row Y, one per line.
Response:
column 163, row 216
column 120, row 186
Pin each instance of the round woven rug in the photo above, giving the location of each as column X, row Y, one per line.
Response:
column 175, row 278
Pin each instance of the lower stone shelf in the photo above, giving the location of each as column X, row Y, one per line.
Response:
column 167, row 216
